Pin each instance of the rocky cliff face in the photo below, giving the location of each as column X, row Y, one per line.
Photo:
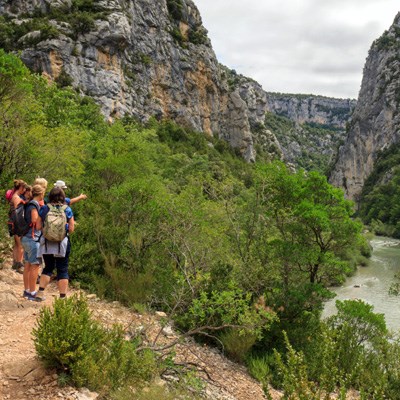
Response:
column 312, row 109
column 304, row 130
column 376, row 120
column 137, row 57
column 153, row 59
column 318, row 127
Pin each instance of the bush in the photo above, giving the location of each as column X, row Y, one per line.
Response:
column 175, row 9
column 64, row 79
column 293, row 374
column 68, row 339
column 236, row 344
column 82, row 23
column 197, row 36
column 259, row 368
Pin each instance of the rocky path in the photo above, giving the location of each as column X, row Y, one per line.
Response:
column 21, row 374
column 23, row 377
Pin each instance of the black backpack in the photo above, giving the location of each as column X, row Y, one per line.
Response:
column 17, row 224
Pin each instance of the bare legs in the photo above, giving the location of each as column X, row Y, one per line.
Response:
column 18, row 252
column 31, row 272
column 62, row 284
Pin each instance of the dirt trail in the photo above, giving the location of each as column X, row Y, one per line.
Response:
column 23, row 377
column 21, row 374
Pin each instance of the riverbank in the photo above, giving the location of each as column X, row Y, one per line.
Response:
column 371, row 283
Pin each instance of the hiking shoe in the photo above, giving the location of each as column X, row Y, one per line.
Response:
column 35, row 297
column 26, row 294
column 39, row 297
column 20, row 270
column 31, row 297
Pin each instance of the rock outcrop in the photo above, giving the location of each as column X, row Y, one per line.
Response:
column 154, row 59
column 376, row 120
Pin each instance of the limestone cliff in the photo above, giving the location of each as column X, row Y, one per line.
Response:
column 376, row 120
column 137, row 57
column 154, row 59
column 305, row 130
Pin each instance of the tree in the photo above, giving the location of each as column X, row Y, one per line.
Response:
column 312, row 220
column 309, row 230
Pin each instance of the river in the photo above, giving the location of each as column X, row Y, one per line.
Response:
column 371, row 284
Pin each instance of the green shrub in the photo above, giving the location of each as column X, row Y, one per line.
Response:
column 236, row 344
column 68, row 339
column 259, row 368
column 64, row 80
column 197, row 36
column 84, row 5
column 177, row 35
column 175, row 9
column 292, row 370
column 82, row 23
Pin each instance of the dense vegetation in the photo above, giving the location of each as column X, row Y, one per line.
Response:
column 380, row 198
column 175, row 221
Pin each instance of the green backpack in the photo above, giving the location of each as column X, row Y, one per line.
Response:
column 54, row 226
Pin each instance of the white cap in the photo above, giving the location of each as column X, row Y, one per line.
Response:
column 60, row 184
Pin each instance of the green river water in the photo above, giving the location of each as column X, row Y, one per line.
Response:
column 371, row 284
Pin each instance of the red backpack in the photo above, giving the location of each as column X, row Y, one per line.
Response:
column 10, row 194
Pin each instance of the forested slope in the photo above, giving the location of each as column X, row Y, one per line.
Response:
column 236, row 253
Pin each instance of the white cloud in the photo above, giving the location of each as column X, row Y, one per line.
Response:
column 292, row 46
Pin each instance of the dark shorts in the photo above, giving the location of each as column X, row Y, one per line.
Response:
column 61, row 263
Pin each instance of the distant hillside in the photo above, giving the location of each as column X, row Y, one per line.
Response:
column 305, row 130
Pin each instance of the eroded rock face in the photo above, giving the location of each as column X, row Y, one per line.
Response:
column 376, row 120
column 140, row 58
column 153, row 58
column 302, row 113
column 318, row 110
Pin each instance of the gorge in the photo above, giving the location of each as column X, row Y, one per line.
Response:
column 208, row 203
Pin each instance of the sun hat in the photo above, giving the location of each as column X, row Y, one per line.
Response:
column 60, row 184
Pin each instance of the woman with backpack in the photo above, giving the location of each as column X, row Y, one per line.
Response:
column 30, row 243
column 16, row 199
column 56, row 221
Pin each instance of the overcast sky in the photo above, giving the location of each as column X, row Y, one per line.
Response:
column 298, row 46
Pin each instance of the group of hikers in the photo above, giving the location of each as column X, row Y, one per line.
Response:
column 40, row 225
